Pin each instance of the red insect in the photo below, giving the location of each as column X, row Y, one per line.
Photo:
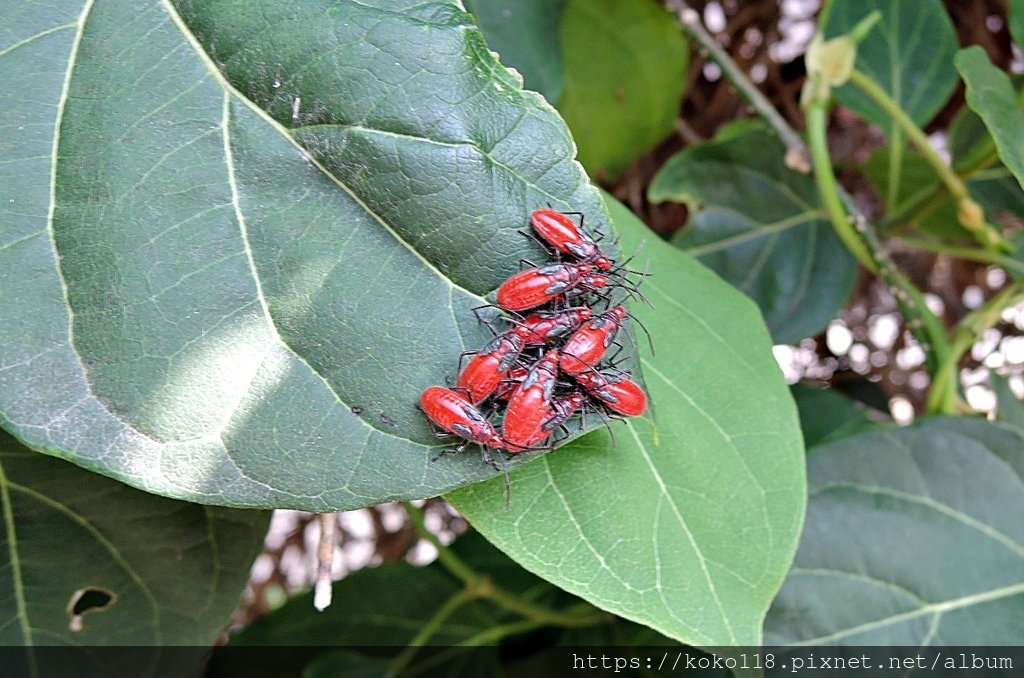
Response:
column 618, row 393
column 453, row 413
column 530, row 404
column 536, row 286
column 588, row 344
column 540, row 329
column 566, row 236
column 508, row 385
column 558, row 413
column 490, row 365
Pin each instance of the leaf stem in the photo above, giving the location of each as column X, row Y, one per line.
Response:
column 971, row 215
column 914, row 133
column 968, row 253
column 943, row 397
column 448, row 559
column 457, row 600
column 895, row 165
column 857, row 233
column 797, row 157
column 829, row 189
column 482, row 587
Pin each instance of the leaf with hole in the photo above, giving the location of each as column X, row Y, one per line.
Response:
column 89, row 562
column 758, row 224
column 913, row 537
column 240, row 238
column 625, row 71
column 687, row 520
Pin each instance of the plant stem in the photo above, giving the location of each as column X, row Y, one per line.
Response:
column 829, row 188
column 429, row 629
column 943, row 396
column 449, row 560
column 482, row 587
column 855, row 231
column 969, row 253
column 917, row 137
column 970, row 213
column 895, row 166
column 796, row 151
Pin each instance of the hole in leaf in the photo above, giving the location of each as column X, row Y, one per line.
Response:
column 88, row 599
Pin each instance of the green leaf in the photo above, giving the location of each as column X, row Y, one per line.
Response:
column 994, row 188
column 685, row 522
column 1017, row 21
column 990, row 94
column 913, row 537
column 139, row 569
column 917, row 177
column 525, row 35
column 625, row 72
column 758, row 224
column 1009, row 409
column 826, row 414
column 234, row 291
column 909, row 53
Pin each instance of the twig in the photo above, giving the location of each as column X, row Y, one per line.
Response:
column 324, row 561
column 797, row 156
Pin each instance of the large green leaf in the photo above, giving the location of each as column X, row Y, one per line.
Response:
column 913, row 537
column 525, row 35
column 234, row 290
column 990, row 94
column 170, row 572
column 685, row 522
column 758, row 224
column 909, row 53
column 625, row 71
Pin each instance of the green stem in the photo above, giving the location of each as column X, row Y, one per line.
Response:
column 943, row 397
column 427, row 631
column 829, row 189
column 895, row 166
column 449, row 560
column 482, row 586
column 917, row 137
column 855, row 231
column 496, row 633
column 796, row 150
column 968, row 253
column 923, row 203
column 970, row 213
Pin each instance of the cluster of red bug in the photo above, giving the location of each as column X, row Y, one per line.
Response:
column 547, row 365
